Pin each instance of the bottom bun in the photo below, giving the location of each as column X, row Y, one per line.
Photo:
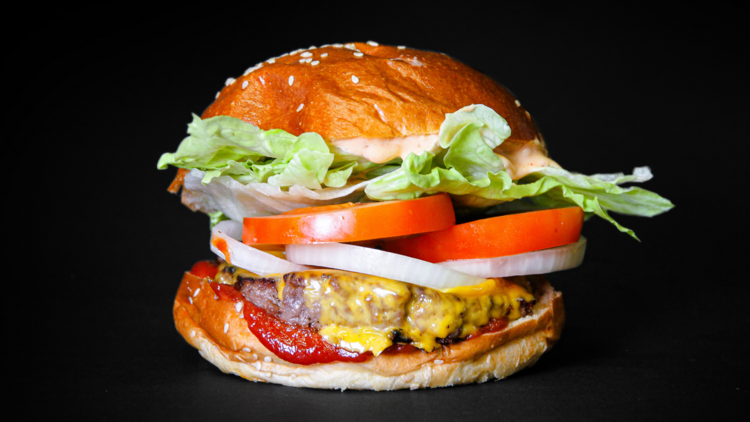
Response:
column 217, row 329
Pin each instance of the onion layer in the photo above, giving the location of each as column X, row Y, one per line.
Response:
column 537, row 262
column 380, row 263
column 224, row 243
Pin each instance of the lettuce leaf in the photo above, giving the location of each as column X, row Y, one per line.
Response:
column 226, row 146
column 289, row 171
column 470, row 167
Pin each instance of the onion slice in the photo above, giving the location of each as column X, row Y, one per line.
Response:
column 379, row 263
column 243, row 256
column 537, row 262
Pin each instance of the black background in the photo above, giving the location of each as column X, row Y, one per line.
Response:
column 656, row 329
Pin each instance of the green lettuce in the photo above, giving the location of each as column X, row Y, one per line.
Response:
column 469, row 166
column 466, row 166
column 226, row 146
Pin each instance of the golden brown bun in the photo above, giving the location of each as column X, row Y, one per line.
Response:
column 201, row 319
column 399, row 92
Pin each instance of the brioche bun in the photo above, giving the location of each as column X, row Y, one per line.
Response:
column 364, row 90
column 381, row 92
column 216, row 329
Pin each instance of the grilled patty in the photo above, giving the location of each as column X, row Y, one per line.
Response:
column 400, row 311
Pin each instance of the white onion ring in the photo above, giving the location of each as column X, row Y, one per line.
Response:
column 537, row 262
column 379, row 263
column 243, row 256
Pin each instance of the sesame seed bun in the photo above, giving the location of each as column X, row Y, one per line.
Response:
column 365, row 90
column 214, row 327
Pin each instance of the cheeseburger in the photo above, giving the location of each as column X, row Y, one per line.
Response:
column 333, row 178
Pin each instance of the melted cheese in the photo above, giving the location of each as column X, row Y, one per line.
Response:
column 363, row 313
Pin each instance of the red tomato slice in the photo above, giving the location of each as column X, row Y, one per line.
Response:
column 497, row 236
column 351, row 222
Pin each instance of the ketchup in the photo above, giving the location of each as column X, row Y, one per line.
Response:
column 494, row 325
column 205, row 269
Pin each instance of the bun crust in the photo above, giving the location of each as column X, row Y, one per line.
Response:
column 365, row 91
column 215, row 328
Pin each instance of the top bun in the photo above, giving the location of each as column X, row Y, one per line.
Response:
column 365, row 90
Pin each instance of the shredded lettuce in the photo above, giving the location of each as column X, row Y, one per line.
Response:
column 216, row 218
column 244, row 161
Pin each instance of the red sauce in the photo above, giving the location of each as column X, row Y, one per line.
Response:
column 205, row 269
column 221, row 245
column 497, row 324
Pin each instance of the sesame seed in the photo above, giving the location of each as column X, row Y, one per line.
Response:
column 358, row 54
column 338, row 45
column 401, row 47
column 291, row 80
column 518, row 103
column 301, row 106
column 438, row 362
column 217, row 94
column 196, row 292
column 246, row 349
column 263, row 81
column 244, row 84
column 301, row 61
column 372, row 43
column 324, row 55
column 308, row 60
column 216, row 297
column 312, row 47
column 306, row 54
column 190, row 299
column 256, row 365
column 266, row 359
column 271, row 61
column 355, row 79
column 295, row 52
column 226, row 327
column 192, row 334
column 350, row 46
column 238, row 306
column 229, row 81
column 314, row 63
column 255, row 357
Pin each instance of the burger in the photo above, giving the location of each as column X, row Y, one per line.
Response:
column 382, row 218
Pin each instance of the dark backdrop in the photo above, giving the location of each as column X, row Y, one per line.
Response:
column 656, row 328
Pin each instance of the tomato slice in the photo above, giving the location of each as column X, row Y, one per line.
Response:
column 497, row 236
column 351, row 222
